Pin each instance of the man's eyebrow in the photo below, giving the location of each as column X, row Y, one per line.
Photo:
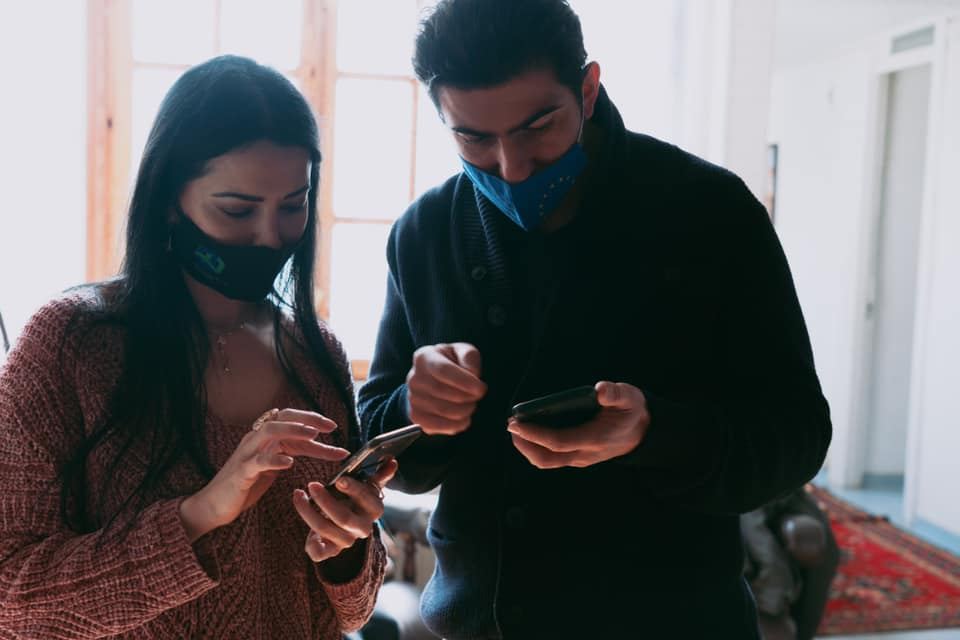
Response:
column 523, row 125
column 539, row 114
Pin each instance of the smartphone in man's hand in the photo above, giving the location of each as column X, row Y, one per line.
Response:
column 562, row 409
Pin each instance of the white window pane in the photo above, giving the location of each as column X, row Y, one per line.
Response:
column 172, row 31
column 268, row 32
column 376, row 36
column 149, row 87
column 372, row 141
column 358, row 285
column 437, row 157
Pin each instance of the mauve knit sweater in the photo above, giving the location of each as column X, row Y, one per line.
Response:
column 250, row 579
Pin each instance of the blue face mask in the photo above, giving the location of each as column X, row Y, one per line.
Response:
column 527, row 203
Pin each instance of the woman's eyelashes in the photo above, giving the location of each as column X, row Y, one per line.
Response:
column 238, row 213
column 294, row 208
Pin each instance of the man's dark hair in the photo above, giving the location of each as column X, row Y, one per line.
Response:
column 470, row 44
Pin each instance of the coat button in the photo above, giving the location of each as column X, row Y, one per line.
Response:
column 478, row 273
column 497, row 315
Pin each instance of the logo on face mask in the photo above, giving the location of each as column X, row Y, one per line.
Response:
column 528, row 202
column 208, row 259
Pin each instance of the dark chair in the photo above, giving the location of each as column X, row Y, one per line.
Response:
column 791, row 558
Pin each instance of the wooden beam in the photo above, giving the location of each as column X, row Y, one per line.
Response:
column 108, row 132
column 99, row 122
column 318, row 82
column 413, row 138
column 386, row 77
column 121, row 101
column 360, row 370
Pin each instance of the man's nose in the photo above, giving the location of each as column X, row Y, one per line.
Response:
column 514, row 163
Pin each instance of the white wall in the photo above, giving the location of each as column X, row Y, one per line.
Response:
column 42, row 153
column 636, row 46
column 818, row 30
column 818, row 119
column 938, row 375
column 695, row 73
column 749, row 58
column 823, row 117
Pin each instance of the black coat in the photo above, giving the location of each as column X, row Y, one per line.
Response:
column 670, row 278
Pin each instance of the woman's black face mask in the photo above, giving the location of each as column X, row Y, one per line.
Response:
column 240, row 272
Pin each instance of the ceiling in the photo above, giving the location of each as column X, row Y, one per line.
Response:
column 813, row 29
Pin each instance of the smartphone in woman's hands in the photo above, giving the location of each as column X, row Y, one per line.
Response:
column 364, row 463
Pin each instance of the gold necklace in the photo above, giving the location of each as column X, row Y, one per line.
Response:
column 220, row 336
column 221, row 342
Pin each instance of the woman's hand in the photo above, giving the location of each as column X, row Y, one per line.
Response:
column 343, row 517
column 269, row 448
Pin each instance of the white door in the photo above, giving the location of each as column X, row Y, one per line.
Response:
column 933, row 475
column 897, row 242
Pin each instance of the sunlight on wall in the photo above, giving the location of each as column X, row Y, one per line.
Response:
column 42, row 156
column 639, row 49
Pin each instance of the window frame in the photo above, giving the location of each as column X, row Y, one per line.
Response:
column 110, row 68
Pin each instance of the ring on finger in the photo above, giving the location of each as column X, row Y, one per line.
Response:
column 376, row 487
column 269, row 416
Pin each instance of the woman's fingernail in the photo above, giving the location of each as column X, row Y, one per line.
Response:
column 343, row 483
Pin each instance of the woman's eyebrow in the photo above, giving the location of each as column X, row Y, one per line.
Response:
column 252, row 198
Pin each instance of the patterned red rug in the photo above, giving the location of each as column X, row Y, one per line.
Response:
column 888, row 579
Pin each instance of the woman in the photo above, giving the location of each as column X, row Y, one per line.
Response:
column 163, row 435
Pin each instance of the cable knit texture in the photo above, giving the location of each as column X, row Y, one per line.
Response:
column 250, row 579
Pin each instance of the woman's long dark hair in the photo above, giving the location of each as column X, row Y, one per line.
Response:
column 160, row 400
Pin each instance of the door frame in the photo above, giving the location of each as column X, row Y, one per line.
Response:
column 852, row 458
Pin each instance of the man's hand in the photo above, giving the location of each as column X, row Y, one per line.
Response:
column 443, row 387
column 618, row 429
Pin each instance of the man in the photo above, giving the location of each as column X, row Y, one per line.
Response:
column 571, row 251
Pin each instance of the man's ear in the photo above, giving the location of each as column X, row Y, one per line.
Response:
column 590, row 88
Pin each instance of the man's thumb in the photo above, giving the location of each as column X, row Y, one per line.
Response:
column 468, row 357
column 616, row 395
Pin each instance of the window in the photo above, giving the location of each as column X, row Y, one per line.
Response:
column 382, row 142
